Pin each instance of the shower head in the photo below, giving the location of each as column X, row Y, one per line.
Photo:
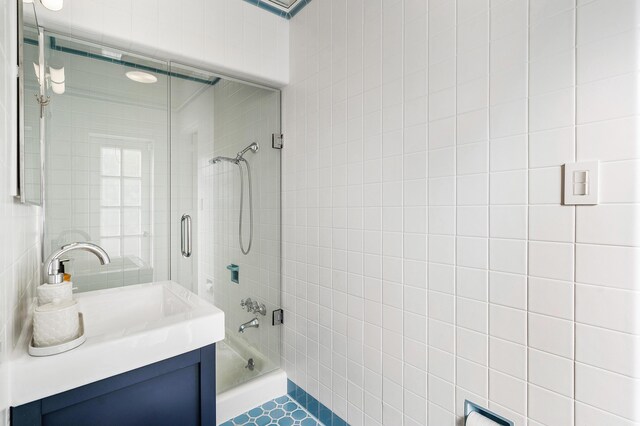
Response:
column 253, row 147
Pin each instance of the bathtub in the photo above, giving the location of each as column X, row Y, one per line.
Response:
column 239, row 388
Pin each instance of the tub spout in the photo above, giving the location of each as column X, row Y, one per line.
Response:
column 254, row 323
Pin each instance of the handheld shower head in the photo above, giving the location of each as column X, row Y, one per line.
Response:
column 238, row 161
column 254, row 147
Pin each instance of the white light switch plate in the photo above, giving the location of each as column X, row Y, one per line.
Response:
column 581, row 183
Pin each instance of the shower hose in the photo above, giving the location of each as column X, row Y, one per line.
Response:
column 241, row 160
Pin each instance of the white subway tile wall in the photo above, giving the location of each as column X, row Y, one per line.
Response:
column 427, row 256
column 20, row 224
column 230, row 36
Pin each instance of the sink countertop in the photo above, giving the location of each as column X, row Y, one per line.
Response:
column 127, row 328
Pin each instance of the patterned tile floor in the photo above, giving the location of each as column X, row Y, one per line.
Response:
column 282, row 411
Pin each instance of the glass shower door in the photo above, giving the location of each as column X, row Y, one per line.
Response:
column 214, row 117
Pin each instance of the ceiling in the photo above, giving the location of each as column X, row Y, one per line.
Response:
column 284, row 8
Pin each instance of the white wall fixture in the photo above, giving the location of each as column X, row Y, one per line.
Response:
column 57, row 80
column 54, row 5
column 581, row 183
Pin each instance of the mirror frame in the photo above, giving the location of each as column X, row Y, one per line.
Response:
column 20, row 194
column 20, row 190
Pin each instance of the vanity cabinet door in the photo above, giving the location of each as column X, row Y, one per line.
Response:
column 176, row 391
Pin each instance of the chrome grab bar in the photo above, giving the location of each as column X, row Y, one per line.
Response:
column 185, row 237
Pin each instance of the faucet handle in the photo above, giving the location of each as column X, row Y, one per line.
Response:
column 247, row 303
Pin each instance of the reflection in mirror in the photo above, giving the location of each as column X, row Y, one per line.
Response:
column 107, row 179
column 30, row 146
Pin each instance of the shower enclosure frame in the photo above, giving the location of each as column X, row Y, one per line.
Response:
column 272, row 383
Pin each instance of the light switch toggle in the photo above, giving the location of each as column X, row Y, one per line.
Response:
column 581, row 183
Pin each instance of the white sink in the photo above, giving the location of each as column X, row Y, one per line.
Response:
column 126, row 328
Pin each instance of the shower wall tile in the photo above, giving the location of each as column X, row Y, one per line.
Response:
column 548, row 407
column 470, row 110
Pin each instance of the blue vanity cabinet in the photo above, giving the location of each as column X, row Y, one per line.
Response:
column 175, row 391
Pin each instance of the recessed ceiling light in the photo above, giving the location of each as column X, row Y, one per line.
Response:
column 142, row 77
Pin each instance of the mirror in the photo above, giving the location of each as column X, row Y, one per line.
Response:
column 31, row 117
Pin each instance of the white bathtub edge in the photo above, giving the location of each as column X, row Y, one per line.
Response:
column 249, row 395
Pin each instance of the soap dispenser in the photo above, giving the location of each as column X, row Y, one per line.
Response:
column 62, row 291
column 65, row 276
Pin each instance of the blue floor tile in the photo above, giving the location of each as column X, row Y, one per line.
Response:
column 282, row 411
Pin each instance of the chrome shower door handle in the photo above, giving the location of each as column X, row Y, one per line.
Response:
column 185, row 235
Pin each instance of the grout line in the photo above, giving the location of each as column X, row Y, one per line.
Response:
column 402, row 205
column 455, row 208
column 361, row 207
column 527, row 218
column 575, row 209
column 427, row 214
column 489, row 139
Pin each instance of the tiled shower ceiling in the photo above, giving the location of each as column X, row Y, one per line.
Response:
column 285, row 8
column 284, row 3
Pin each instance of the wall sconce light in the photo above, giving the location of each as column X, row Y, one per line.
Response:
column 54, row 78
column 57, row 80
column 54, row 5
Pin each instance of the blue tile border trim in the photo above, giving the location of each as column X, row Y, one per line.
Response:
column 297, row 8
column 315, row 407
column 264, row 4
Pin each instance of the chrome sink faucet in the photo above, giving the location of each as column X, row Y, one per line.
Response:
column 52, row 264
column 254, row 323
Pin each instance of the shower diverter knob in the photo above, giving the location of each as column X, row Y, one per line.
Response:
column 248, row 303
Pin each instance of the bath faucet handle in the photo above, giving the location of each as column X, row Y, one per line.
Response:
column 252, row 306
column 247, row 303
column 259, row 308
